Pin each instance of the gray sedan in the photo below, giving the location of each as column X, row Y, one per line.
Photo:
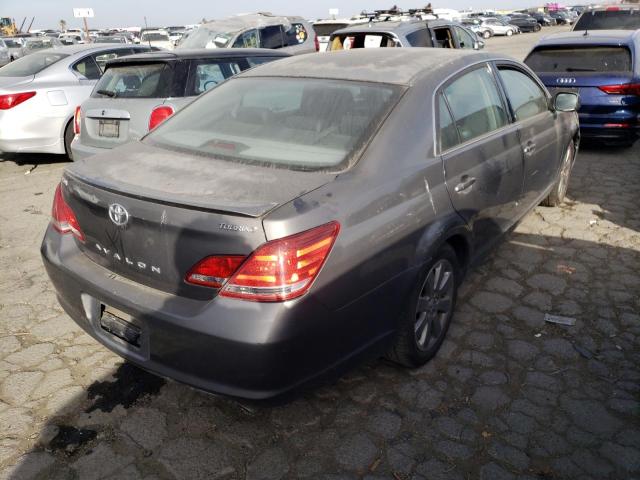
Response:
column 39, row 93
column 305, row 214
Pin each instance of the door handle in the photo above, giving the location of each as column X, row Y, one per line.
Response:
column 466, row 183
column 529, row 148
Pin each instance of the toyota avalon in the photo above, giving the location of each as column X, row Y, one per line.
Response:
column 305, row 214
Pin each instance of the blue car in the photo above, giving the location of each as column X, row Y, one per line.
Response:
column 603, row 66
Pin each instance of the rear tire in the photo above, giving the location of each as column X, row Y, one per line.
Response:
column 509, row 33
column 68, row 138
column 559, row 190
column 424, row 324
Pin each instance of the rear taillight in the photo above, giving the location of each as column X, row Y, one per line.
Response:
column 62, row 217
column 283, row 269
column 12, row 99
column 77, row 116
column 214, row 271
column 622, row 89
column 159, row 115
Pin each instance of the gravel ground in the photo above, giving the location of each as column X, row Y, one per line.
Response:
column 508, row 396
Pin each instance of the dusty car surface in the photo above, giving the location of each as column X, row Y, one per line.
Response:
column 291, row 34
column 137, row 93
column 305, row 214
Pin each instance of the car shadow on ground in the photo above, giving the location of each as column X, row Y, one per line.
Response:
column 34, row 159
column 508, row 392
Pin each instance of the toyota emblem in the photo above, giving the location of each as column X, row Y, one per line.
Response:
column 118, row 214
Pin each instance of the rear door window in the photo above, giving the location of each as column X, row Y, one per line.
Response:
column 103, row 57
column 609, row 20
column 580, row 59
column 151, row 80
column 204, row 75
column 88, row 68
column 475, row 104
column 271, row 37
column 526, row 97
column 448, row 135
column 248, row 39
column 420, row 38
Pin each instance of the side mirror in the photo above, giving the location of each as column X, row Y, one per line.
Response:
column 566, row 102
column 478, row 45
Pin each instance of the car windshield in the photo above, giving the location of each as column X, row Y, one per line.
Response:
column 580, row 59
column 300, row 124
column 31, row 64
column 133, row 81
column 609, row 20
column 154, row 37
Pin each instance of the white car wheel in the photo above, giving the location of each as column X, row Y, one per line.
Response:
column 509, row 33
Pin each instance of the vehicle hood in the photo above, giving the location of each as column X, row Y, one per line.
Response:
column 145, row 171
column 10, row 82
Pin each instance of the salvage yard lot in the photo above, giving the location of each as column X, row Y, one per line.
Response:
column 508, row 396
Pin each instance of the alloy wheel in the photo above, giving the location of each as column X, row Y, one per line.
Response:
column 435, row 304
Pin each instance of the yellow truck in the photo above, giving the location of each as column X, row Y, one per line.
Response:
column 7, row 26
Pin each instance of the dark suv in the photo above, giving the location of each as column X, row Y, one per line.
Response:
column 410, row 33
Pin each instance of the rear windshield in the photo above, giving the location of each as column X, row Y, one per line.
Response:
column 31, row 64
column 580, row 59
column 300, row 124
column 326, row 29
column 150, row 80
column 609, row 20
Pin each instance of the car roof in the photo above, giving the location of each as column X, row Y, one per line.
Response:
column 392, row 26
column 613, row 8
column 190, row 53
column 613, row 37
column 398, row 66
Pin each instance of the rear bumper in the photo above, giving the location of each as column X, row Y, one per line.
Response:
column 21, row 131
column 243, row 349
column 81, row 151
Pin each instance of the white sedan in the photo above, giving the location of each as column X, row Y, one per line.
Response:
column 39, row 94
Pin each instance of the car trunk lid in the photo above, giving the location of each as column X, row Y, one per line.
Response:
column 179, row 210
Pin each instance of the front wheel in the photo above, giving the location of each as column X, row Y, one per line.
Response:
column 559, row 190
column 509, row 33
column 486, row 34
column 424, row 325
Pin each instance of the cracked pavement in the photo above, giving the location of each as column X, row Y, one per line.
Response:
column 509, row 396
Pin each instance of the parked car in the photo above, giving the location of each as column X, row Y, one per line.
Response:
column 137, row 93
column 294, row 35
column 476, row 27
column 72, row 37
column 525, row 23
column 324, row 28
column 5, row 57
column 604, row 68
column 613, row 17
column 40, row 43
column 409, row 33
column 298, row 217
column 543, row 19
column 15, row 47
column 157, row 39
column 499, row 27
column 562, row 18
column 39, row 92
column 111, row 39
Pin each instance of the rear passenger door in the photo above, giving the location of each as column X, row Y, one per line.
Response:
column 530, row 110
column 481, row 153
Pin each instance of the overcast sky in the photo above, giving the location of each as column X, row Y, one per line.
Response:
column 122, row 13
